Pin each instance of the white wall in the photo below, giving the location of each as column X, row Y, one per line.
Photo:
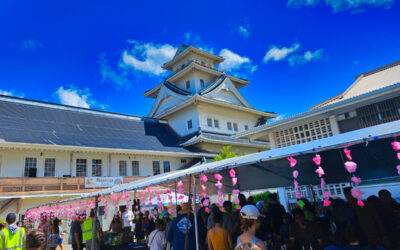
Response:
column 178, row 121
column 225, row 115
column 13, row 162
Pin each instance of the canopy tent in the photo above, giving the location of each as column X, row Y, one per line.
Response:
column 370, row 147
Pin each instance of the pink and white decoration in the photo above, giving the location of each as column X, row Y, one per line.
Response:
column 292, row 163
column 351, row 168
column 320, row 171
column 396, row 147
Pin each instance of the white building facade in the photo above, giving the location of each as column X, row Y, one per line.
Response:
column 48, row 151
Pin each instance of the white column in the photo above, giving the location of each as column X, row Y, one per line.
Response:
column 283, row 198
column 334, row 125
column 272, row 140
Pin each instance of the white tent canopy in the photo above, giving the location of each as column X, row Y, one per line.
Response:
column 254, row 171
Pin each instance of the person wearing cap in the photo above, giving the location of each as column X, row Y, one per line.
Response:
column 12, row 237
column 177, row 231
column 250, row 217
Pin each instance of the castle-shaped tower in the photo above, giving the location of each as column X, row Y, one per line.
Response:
column 202, row 103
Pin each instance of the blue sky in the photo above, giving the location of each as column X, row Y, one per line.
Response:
column 105, row 54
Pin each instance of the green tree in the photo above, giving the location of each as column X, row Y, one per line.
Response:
column 226, row 154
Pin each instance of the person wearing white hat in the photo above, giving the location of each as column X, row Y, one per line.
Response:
column 250, row 223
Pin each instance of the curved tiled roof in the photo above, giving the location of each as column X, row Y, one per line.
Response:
column 53, row 124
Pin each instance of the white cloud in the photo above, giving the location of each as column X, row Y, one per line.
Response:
column 31, row 44
column 278, row 117
column 243, row 31
column 234, row 61
column 308, row 56
column 276, row 53
column 191, row 38
column 299, row 3
column 109, row 75
column 147, row 57
column 73, row 96
column 341, row 5
column 11, row 93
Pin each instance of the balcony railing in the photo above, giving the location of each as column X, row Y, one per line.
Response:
column 47, row 185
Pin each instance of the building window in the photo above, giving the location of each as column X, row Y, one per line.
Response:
column 50, row 167
column 167, row 166
column 235, row 126
column 135, row 168
column 122, row 168
column 310, row 131
column 209, row 122
column 80, row 167
column 189, row 124
column 187, row 84
column 216, row 123
column 30, row 167
column 96, row 167
column 246, row 127
column 202, row 83
column 229, row 125
column 183, row 161
column 379, row 113
column 156, row 167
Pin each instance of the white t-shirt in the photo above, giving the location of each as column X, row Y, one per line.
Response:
column 157, row 240
column 126, row 216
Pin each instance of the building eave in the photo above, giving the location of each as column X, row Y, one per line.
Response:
column 198, row 98
column 194, row 66
column 202, row 139
column 216, row 59
column 151, row 92
column 31, row 146
column 324, row 109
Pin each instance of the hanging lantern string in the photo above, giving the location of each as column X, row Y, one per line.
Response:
column 396, row 148
column 320, row 171
column 292, row 163
column 351, row 168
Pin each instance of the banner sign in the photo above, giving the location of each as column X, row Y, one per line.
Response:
column 102, row 182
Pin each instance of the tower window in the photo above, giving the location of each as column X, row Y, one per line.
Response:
column 202, row 83
column 216, row 123
column 229, row 125
column 187, row 84
column 209, row 122
column 189, row 124
column 235, row 126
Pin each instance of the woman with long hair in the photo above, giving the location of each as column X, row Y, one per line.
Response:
column 116, row 224
column 218, row 238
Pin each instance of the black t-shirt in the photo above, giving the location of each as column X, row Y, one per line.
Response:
column 76, row 228
column 305, row 237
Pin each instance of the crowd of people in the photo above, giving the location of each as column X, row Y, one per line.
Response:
column 341, row 225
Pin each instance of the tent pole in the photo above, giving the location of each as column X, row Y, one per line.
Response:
column 176, row 201
column 92, row 243
column 196, row 227
column 188, row 215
